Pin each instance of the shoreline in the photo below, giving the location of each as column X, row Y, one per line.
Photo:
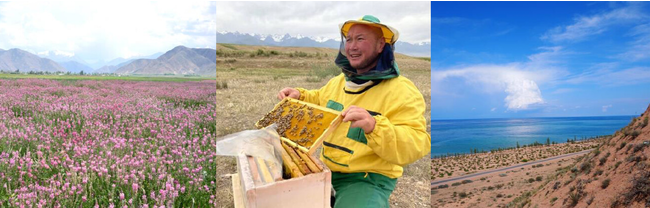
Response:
column 465, row 164
column 456, row 154
column 470, row 119
column 468, row 176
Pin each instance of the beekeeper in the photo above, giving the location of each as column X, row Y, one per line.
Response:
column 383, row 126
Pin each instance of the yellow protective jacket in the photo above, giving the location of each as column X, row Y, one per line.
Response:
column 399, row 137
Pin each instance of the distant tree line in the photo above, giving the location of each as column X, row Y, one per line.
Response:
column 534, row 144
column 17, row 71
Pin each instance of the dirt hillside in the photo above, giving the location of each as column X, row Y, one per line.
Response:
column 616, row 174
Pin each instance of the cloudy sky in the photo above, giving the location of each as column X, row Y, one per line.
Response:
column 104, row 30
column 539, row 59
column 321, row 19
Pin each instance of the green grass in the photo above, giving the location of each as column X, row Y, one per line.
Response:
column 126, row 78
column 323, row 72
column 229, row 46
column 288, row 72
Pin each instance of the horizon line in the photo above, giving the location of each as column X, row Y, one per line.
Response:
column 447, row 119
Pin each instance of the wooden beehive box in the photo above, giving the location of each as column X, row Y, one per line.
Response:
column 303, row 127
column 313, row 190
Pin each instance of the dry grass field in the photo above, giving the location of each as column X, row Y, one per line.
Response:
column 249, row 77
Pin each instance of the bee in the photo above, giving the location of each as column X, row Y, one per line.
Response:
column 303, row 131
column 278, row 113
column 284, row 123
column 303, row 140
column 300, row 115
column 294, row 129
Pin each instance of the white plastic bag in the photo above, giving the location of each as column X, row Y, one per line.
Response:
column 263, row 143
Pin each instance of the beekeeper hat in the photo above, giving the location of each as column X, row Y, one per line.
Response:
column 390, row 34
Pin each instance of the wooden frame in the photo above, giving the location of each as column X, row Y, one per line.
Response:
column 331, row 120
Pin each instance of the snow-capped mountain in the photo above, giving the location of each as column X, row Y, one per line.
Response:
column 422, row 49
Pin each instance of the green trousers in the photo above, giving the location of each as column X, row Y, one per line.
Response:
column 359, row 190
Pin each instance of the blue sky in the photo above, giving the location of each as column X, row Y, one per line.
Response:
column 101, row 31
column 539, row 59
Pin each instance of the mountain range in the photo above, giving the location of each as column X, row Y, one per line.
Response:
column 76, row 67
column 23, row 61
column 413, row 49
column 178, row 61
column 63, row 57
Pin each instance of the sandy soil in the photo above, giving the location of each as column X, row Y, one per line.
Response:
column 447, row 167
column 496, row 189
column 616, row 174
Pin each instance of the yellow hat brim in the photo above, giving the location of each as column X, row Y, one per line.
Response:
column 390, row 34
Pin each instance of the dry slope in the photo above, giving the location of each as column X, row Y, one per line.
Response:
column 616, row 174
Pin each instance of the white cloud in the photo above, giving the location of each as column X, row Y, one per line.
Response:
column 613, row 77
column 446, row 20
column 548, row 56
column 321, row 19
column 522, row 93
column 640, row 47
column 106, row 30
column 605, row 107
column 519, row 81
column 56, row 52
column 586, row 26
column 563, row 90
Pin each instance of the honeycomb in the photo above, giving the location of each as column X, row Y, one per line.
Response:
column 300, row 122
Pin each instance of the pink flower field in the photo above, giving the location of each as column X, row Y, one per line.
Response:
column 108, row 143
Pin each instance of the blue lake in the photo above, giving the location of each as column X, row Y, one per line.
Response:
column 459, row 136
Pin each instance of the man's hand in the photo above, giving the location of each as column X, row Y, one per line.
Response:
column 360, row 118
column 288, row 92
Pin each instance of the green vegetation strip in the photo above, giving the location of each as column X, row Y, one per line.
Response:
column 126, row 78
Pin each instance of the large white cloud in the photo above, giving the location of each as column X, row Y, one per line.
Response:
column 105, row 30
column 321, row 19
column 519, row 84
column 519, row 81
